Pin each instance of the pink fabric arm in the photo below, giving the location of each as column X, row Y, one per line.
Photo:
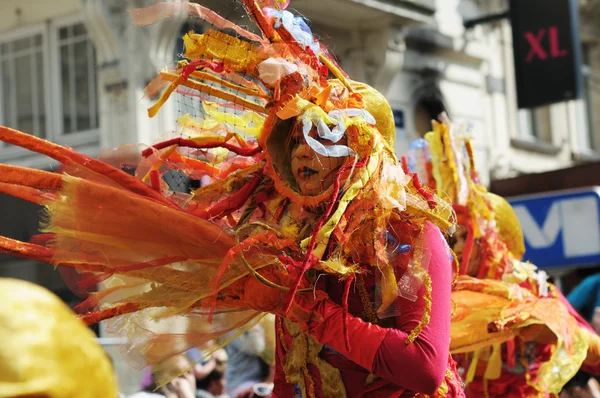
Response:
column 419, row 366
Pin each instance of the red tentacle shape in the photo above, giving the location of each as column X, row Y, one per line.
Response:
column 431, row 202
column 217, row 67
column 466, row 257
column 311, row 259
column 155, row 180
column 94, row 317
column 404, row 163
column 184, row 142
column 428, row 196
column 24, row 177
column 20, row 249
column 345, row 310
column 66, row 155
column 234, row 202
column 255, row 11
column 32, row 195
column 290, row 262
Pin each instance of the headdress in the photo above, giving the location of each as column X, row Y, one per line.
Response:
column 488, row 217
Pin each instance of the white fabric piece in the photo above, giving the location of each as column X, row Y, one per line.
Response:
column 273, row 69
column 334, row 151
column 309, row 120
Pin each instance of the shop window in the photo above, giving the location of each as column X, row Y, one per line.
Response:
column 48, row 84
column 535, row 125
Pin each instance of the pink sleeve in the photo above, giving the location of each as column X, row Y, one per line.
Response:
column 419, row 366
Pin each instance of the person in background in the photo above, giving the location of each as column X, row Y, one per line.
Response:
column 214, row 384
column 585, row 298
column 178, row 369
column 246, row 366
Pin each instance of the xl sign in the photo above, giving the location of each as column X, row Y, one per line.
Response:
column 546, row 49
column 561, row 228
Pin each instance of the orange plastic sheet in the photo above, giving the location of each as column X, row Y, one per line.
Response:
column 489, row 312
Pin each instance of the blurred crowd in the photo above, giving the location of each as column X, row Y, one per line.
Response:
column 240, row 370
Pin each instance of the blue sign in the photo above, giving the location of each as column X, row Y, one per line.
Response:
column 561, row 228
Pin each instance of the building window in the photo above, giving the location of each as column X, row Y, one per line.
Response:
column 77, row 78
column 48, row 84
column 22, row 85
column 535, row 124
column 585, row 107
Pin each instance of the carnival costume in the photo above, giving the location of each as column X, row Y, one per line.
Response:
column 516, row 334
column 357, row 269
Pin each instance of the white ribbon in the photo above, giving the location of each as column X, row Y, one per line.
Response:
column 310, row 119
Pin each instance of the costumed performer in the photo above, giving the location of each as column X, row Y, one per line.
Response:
column 516, row 334
column 309, row 217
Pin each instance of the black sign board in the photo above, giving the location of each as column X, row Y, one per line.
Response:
column 546, row 50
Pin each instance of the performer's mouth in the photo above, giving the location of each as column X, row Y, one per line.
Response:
column 306, row 172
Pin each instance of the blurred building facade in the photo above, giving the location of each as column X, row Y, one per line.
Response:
column 74, row 72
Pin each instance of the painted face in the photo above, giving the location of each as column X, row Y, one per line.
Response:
column 458, row 246
column 312, row 172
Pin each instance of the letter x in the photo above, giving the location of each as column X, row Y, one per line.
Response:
column 535, row 45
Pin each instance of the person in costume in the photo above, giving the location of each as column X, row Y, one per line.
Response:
column 309, row 216
column 45, row 351
column 516, row 334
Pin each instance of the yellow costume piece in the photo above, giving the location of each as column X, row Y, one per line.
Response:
column 235, row 54
column 510, row 306
column 45, row 351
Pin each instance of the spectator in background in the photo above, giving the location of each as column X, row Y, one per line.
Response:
column 178, row 369
column 585, row 298
column 214, row 384
column 246, row 367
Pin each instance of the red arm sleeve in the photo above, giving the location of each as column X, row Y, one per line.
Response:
column 419, row 366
